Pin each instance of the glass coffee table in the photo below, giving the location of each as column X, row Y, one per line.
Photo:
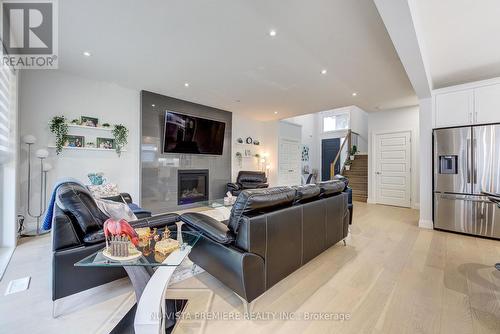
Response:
column 149, row 284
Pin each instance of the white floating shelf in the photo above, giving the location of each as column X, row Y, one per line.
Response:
column 87, row 148
column 90, row 127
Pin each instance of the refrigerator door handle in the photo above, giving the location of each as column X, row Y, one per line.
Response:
column 467, row 156
column 474, row 148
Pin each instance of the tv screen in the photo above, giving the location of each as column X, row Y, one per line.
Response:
column 193, row 135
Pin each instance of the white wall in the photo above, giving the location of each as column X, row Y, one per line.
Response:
column 359, row 124
column 309, row 136
column 391, row 121
column 244, row 127
column 44, row 94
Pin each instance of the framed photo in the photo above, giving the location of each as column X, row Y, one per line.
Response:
column 89, row 121
column 75, row 141
column 108, row 143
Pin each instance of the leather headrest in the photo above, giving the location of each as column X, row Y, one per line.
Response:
column 332, row 187
column 306, row 193
column 251, row 176
column 77, row 202
column 253, row 201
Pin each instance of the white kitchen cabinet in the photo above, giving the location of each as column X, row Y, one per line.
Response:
column 487, row 104
column 454, row 108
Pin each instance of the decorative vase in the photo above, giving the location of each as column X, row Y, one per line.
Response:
column 351, row 157
column 96, row 178
column 348, row 167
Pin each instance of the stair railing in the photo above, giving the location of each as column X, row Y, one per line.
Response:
column 343, row 153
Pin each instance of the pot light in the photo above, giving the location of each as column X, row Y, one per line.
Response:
column 87, row 54
column 153, row 105
column 272, row 32
column 186, row 84
column 354, row 94
column 276, row 113
column 324, row 71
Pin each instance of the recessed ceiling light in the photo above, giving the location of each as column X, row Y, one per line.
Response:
column 153, row 105
column 87, row 54
column 186, row 84
column 354, row 94
column 324, row 71
column 276, row 113
column 272, row 32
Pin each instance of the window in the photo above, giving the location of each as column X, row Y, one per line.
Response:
column 336, row 122
column 5, row 110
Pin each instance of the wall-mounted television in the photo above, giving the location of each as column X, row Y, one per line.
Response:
column 192, row 135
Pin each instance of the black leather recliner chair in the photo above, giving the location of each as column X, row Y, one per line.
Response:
column 248, row 180
column 77, row 233
column 270, row 234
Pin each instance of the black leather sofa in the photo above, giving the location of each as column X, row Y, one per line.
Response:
column 248, row 180
column 270, row 234
column 77, row 233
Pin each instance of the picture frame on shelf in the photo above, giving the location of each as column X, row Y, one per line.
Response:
column 74, row 141
column 89, row 121
column 107, row 143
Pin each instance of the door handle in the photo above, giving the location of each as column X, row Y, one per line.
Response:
column 378, row 173
column 467, row 156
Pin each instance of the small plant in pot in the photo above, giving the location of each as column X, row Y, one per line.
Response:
column 347, row 165
column 353, row 152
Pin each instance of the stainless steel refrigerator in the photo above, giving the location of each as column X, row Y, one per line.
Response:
column 467, row 164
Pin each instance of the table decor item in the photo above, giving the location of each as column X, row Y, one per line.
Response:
column 120, row 133
column 59, row 127
column 121, row 240
column 353, row 152
column 90, row 144
column 89, row 121
column 76, row 121
column 249, row 140
column 106, row 125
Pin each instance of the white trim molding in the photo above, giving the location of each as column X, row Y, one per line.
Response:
column 427, row 224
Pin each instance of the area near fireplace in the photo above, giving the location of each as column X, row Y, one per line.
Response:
column 192, row 186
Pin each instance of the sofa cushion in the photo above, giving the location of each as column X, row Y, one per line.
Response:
column 306, row 193
column 254, row 201
column 332, row 187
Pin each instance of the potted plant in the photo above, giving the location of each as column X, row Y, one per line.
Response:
column 106, row 125
column 59, row 127
column 354, row 150
column 347, row 165
column 120, row 133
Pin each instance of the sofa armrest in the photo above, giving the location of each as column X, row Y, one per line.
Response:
column 261, row 185
column 158, row 221
column 210, row 227
column 233, row 186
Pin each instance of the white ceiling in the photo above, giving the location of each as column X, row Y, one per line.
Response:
column 461, row 39
column 223, row 49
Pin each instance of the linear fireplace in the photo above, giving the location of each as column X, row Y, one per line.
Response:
column 192, row 186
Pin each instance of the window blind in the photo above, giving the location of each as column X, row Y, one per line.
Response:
column 5, row 110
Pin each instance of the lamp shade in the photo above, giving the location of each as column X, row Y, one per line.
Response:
column 47, row 167
column 42, row 153
column 29, row 139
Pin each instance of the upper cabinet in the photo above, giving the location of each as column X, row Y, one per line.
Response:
column 454, row 108
column 470, row 105
column 487, row 104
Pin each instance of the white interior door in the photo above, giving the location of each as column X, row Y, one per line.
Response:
column 289, row 162
column 393, row 168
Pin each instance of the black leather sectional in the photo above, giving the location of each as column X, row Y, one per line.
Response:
column 77, row 233
column 270, row 234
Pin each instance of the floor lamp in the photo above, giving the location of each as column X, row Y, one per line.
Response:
column 41, row 154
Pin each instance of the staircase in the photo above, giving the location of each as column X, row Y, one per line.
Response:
column 358, row 177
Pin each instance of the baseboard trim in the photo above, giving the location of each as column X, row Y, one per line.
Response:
column 416, row 206
column 371, row 201
column 424, row 223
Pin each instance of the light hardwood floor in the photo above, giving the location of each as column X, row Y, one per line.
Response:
column 392, row 277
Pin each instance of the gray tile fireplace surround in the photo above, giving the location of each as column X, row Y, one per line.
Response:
column 159, row 171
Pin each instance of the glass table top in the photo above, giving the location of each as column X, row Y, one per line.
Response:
column 150, row 256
